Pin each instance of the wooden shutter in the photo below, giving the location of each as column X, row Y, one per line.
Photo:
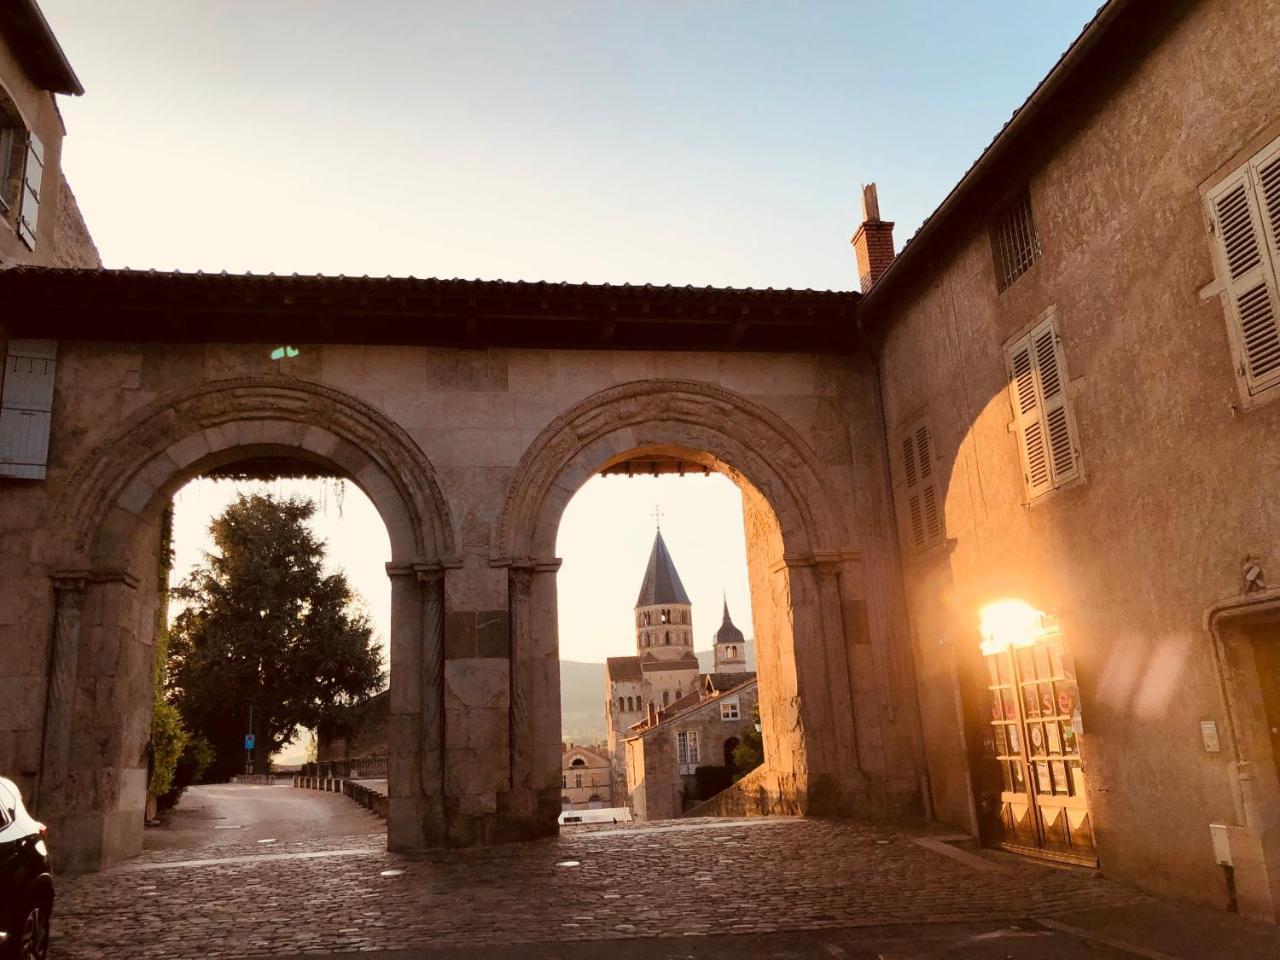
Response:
column 923, row 516
column 1051, row 378
column 1038, row 392
column 29, row 199
column 1246, row 245
column 26, row 405
column 1027, row 418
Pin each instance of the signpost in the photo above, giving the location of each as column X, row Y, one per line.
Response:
column 249, row 741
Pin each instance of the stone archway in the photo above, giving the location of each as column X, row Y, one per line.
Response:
column 804, row 577
column 100, row 546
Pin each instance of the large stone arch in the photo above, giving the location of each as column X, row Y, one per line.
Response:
column 804, row 573
column 101, row 549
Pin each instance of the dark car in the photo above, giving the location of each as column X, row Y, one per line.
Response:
column 26, row 882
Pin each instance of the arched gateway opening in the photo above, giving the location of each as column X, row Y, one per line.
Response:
column 103, row 545
column 805, row 581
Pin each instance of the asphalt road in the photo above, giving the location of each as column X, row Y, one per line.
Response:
column 221, row 814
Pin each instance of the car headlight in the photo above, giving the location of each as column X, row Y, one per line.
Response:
column 41, row 848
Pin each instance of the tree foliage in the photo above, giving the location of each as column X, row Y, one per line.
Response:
column 169, row 736
column 749, row 753
column 265, row 627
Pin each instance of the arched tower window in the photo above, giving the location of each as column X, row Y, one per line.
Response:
column 620, row 702
column 665, row 697
column 667, row 639
column 666, row 616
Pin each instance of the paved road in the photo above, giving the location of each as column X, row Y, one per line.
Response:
column 782, row 889
column 227, row 814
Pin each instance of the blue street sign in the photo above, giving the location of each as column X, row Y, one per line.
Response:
column 248, row 741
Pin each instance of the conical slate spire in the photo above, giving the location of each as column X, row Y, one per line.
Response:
column 661, row 582
column 728, row 632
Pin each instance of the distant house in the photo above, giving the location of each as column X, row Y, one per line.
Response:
column 585, row 778
column 684, row 754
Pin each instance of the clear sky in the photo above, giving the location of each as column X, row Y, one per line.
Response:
column 665, row 141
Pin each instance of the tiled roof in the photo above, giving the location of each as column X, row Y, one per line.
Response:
column 623, row 668
column 689, row 662
column 158, row 306
column 661, row 583
column 723, row 683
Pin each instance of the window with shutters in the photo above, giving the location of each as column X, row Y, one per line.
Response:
column 921, row 503
column 1042, row 418
column 13, row 139
column 1015, row 245
column 26, row 404
column 1244, row 215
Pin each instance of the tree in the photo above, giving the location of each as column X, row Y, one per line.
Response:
column 749, row 753
column 265, row 628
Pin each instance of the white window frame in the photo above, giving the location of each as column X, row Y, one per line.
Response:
column 687, row 747
column 1243, row 211
column 1043, row 420
column 729, row 710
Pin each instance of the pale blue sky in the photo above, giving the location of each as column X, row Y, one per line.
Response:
column 665, row 141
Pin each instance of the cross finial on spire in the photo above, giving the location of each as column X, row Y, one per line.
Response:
column 657, row 517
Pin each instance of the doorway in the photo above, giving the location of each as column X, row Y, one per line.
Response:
column 1031, row 756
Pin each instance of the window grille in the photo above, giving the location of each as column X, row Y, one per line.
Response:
column 1015, row 245
column 729, row 711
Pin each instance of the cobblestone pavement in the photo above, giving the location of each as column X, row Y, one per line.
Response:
column 348, row 894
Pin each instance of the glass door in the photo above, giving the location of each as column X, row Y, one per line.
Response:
column 1033, row 740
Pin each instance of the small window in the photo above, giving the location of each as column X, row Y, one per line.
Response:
column 687, row 746
column 577, row 762
column 577, row 779
column 1244, row 214
column 1038, row 393
column 666, row 616
column 1015, row 245
column 921, row 505
column 564, row 782
column 667, row 638
column 666, row 697
column 729, row 710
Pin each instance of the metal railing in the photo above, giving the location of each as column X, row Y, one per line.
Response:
column 357, row 768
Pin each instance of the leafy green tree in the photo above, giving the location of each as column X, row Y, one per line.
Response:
column 264, row 627
column 749, row 753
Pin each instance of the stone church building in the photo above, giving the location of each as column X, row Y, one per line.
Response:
column 664, row 669
column 1011, row 527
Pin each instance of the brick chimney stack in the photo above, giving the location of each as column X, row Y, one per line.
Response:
column 873, row 242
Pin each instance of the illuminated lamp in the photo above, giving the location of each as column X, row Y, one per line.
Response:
column 1010, row 623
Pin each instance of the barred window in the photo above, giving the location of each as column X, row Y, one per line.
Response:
column 1015, row 245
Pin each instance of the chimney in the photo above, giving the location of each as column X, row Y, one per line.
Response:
column 873, row 241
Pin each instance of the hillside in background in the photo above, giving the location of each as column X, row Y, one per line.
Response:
column 582, row 696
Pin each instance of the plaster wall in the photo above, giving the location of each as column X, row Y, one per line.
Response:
column 1178, row 471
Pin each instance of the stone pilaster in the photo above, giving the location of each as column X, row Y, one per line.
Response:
column 69, row 597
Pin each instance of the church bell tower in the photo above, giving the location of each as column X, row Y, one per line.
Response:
column 664, row 614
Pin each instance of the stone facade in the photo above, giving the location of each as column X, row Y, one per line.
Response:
column 586, row 778
column 907, row 546
column 1140, row 563
column 662, row 757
